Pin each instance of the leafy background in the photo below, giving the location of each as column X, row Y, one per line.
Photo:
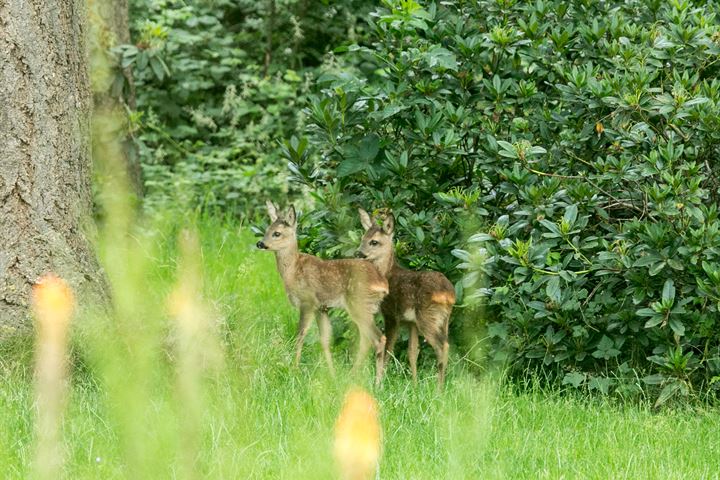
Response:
column 557, row 160
column 220, row 84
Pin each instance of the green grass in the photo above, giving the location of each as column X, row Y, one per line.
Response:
column 256, row 417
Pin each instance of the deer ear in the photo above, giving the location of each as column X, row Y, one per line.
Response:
column 272, row 210
column 388, row 224
column 365, row 219
column 291, row 216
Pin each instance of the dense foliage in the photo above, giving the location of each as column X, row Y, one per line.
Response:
column 577, row 141
column 219, row 84
column 558, row 160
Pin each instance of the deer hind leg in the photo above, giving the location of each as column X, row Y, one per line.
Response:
column 434, row 327
column 306, row 316
column 442, row 350
column 325, row 335
column 413, row 350
column 363, row 348
column 370, row 335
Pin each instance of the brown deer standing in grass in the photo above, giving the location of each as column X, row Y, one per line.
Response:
column 313, row 285
column 421, row 300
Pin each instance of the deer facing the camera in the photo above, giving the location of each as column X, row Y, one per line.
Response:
column 421, row 300
column 313, row 285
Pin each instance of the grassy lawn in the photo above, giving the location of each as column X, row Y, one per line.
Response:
column 248, row 414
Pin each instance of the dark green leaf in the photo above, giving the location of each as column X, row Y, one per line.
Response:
column 573, row 378
column 668, row 292
column 553, row 288
column 571, row 214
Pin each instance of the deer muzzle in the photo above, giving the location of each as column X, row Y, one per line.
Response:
column 261, row 245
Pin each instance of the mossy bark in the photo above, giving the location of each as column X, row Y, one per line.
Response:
column 115, row 95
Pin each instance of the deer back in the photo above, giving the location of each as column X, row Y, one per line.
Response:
column 413, row 291
column 335, row 283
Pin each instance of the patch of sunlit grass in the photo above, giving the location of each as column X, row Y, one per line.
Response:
column 135, row 392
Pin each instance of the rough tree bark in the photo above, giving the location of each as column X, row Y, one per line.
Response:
column 45, row 166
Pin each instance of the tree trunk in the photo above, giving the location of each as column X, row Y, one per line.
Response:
column 118, row 21
column 45, row 166
column 112, row 19
column 269, row 30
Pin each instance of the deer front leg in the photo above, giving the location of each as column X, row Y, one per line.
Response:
column 413, row 350
column 392, row 327
column 380, row 344
column 325, row 335
column 306, row 316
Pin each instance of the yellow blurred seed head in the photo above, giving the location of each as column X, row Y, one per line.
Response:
column 179, row 302
column 53, row 304
column 357, row 436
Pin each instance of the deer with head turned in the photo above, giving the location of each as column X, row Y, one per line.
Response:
column 313, row 285
column 422, row 301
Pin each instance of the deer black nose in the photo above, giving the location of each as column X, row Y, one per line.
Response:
column 261, row 245
column 359, row 254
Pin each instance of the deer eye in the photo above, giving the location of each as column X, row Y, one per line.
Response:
column 276, row 234
column 374, row 243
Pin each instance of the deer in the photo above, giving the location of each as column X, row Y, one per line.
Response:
column 420, row 300
column 313, row 285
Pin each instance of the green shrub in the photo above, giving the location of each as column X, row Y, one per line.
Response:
column 576, row 141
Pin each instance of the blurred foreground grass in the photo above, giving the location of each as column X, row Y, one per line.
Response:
column 139, row 409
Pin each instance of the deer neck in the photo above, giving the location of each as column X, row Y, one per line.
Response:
column 386, row 265
column 287, row 260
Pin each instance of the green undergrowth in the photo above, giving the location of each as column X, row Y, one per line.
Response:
column 257, row 417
